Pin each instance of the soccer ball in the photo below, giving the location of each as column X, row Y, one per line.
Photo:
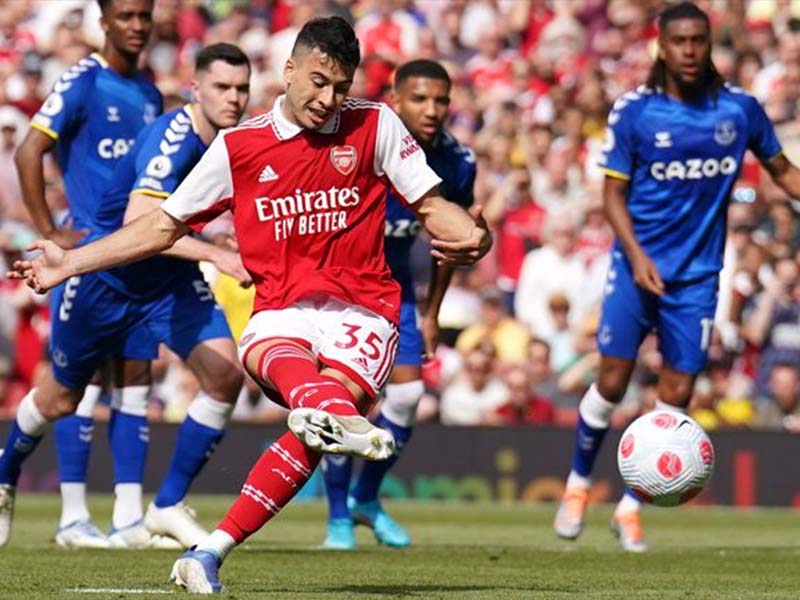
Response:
column 665, row 458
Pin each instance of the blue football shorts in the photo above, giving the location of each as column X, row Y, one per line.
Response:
column 682, row 318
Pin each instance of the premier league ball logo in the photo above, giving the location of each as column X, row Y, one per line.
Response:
column 344, row 159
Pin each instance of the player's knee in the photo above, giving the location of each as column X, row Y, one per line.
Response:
column 401, row 400
column 676, row 391
column 224, row 384
column 612, row 386
column 53, row 407
column 613, row 378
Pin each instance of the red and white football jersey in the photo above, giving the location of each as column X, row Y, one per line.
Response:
column 309, row 206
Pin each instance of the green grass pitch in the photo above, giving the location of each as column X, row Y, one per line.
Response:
column 461, row 551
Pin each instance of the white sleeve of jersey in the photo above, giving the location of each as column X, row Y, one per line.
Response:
column 398, row 155
column 207, row 184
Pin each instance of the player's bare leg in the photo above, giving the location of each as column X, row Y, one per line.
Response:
column 40, row 406
column 594, row 418
column 217, row 368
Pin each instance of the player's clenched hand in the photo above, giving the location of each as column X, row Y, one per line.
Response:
column 468, row 251
column 646, row 275
column 67, row 237
column 45, row 271
column 230, row 263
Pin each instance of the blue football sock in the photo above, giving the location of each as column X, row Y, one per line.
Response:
column 19, row 446
column 73, row 445
column 129, row 435
column 369, row 482
column 337, row 471
column 587, row 444
column 193, row 448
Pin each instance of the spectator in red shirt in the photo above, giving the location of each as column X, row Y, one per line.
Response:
column 518, row 221
column 524, row 407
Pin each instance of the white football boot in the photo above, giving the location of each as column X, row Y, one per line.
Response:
column 7, row 494
column 569, row 520
column 628, row 528
column 81, row 534
column 354, row 435
column 177, row 521
column 136, row 536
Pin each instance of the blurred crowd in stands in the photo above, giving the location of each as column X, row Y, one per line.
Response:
column 533, row 83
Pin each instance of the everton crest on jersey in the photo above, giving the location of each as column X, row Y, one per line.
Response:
column 94, row 114
column 681, row 160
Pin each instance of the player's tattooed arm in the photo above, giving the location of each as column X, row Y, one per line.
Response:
column 784, row 174
column 29, row 160
column 145, row 237
column 615, row 205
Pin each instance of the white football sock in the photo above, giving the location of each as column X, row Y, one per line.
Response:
column 401, row 400
column 209, row 412
column 595, row 410
column 90, row 397
column 219, row 542
column 627, row 504
column 661, row 405
column 575, row 480
column 127, row 504
column 29, row 419
column 73, row 503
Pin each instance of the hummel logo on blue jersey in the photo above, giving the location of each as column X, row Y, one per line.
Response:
column 268, row 174
column 663, row 139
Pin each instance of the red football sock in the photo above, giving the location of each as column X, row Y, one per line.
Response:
column 293, row 372
column 273, row 481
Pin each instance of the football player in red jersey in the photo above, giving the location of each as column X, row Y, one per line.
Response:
column 307, row 185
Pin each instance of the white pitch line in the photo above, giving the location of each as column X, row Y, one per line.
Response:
column 115, row 591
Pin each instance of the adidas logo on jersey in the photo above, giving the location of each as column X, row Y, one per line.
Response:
column 268, row 174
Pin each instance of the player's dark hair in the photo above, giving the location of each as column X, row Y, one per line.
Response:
column 332, row 36
column 228, row 53
column 105, row 4
column 421, row 68
column 658, row 73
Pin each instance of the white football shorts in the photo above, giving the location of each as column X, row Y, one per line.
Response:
column 348, row 338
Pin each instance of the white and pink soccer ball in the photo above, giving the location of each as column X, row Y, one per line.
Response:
column 665, row 458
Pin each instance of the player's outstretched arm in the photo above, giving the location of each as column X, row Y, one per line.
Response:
column 784, row 174
column 615, row 204
column 190, row 248
column 146, row 236
column 459, row 237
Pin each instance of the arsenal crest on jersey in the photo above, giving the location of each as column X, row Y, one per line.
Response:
column 344, row 159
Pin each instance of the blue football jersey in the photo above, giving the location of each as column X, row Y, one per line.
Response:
column 681, row 161
column 94, row 114
column 455, row 164
column 162, row 155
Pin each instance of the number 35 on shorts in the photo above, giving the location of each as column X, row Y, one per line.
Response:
column 360, row 345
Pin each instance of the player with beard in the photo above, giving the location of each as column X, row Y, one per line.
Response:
column 94, row 112
column 306, row 183
column 421, row 99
